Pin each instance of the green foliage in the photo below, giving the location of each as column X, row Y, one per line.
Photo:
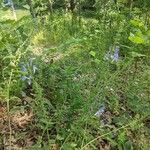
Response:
column 74, row 77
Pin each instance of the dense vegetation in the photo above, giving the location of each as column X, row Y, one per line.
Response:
column 75, row 74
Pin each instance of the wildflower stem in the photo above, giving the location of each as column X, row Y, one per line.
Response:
column 8, row 108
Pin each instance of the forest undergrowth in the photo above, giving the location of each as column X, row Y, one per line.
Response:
column 72, row 82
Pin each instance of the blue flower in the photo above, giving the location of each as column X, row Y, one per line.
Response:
column 8, row 2
column 116, row 54
column 28, row 79
column 100, row 111
column 24, row 68
column 110, row 55
column 23, row 78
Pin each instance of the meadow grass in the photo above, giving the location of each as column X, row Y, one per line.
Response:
column 7, row 14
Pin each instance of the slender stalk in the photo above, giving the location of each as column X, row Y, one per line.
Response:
column 8, row 108
column 8, row 94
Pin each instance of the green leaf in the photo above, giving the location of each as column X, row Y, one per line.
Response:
column 97, row 61
column 138, row 39
column 136, row 23
column 67, row 146
column 135, row 54
column 92, row 53
column 59, row 137
column 26, row 7
column 122, row 137
column 128, row 146
column 73, row 144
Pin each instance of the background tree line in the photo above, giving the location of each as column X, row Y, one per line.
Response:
column 72, row 5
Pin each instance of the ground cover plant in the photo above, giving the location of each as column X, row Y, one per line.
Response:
column 74, row 75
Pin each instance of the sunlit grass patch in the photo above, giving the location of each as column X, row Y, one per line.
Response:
column 7, row 14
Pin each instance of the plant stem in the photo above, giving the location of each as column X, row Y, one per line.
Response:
column 8, row 108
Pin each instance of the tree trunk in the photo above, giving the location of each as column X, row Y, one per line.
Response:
column 29, row 2
column 72, row 5
column 130, row 4
column 50, row 6
column 31, row 8
column 13, row 10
